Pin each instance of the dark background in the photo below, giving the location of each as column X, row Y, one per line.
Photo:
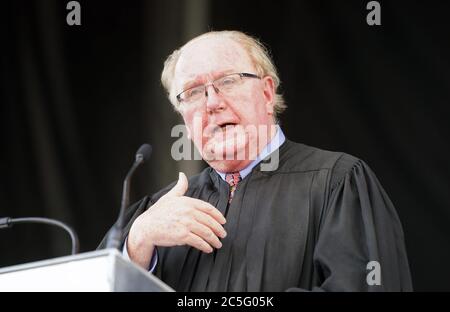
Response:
column 77, row 101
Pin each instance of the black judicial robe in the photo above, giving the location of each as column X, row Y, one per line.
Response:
column 312, row 224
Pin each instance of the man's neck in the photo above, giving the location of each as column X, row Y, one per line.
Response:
column 276, row 141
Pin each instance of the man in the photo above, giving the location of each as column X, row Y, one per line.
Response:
column 317, row 220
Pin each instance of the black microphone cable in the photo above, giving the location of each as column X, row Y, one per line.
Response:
column 9, row 222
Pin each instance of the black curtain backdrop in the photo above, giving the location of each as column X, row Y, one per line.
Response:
column 77, row 101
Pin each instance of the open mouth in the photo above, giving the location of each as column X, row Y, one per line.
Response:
column 227, row 125
column 225, row 140
column 225, row 128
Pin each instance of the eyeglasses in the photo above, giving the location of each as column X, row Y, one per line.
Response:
column 227, row 85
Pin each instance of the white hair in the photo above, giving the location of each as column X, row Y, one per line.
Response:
column 258, row 53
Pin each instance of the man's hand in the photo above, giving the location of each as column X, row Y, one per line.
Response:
column 175, row 220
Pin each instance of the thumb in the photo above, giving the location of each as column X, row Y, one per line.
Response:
column 181, row 187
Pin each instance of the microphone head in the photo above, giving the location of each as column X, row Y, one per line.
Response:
column 144, row 152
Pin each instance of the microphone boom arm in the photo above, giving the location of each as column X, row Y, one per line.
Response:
column 9, row 222
column 115, row 235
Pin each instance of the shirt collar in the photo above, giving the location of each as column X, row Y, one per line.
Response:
column 273, row 145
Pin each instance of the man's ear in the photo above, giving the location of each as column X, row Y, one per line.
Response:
column 269, row 94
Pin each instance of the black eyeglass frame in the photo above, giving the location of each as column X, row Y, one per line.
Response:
column 242, row 75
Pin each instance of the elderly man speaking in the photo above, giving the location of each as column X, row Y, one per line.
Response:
column 267, row 214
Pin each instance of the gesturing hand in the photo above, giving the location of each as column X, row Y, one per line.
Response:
column 174, row 220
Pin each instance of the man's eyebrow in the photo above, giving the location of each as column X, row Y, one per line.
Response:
column 192, row 83
column 200, row 80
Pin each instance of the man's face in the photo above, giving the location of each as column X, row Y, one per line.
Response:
column 222, row 127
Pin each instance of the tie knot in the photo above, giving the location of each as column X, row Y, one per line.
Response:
column 233, row 178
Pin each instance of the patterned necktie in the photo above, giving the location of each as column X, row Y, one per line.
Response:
column 232, row 179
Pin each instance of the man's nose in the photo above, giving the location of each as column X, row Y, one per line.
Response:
column 214, row 99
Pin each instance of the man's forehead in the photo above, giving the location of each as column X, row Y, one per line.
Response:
column 210, row 57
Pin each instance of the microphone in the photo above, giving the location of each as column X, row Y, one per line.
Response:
column 115, row 236
column 9, row 222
